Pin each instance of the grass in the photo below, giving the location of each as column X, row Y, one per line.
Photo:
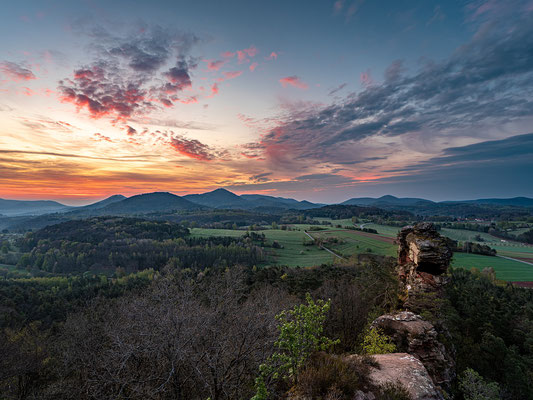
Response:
column 203, row 232
column 507, row 270
column 356, row 243
column 385, row 230
column 294, row 253
column 463, row 235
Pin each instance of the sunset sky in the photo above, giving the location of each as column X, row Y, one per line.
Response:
column 318, row 100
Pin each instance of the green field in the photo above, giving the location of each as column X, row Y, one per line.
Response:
column 203, row 232
column 294, row 253
column 385, row 230
column 356, row 243
column 507, row 270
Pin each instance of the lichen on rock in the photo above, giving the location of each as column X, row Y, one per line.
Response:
column 412, row 334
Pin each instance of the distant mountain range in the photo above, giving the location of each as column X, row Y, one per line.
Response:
column 224, row 199
column 411, row 201
column 384, row 200
column 21, row 207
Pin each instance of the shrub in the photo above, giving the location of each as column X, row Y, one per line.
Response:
column 393, row 391
column 301, row 334
column 474, row 387
column 376, row 342
column 331, row 376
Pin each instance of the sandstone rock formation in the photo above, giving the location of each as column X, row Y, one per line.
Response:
column 413, row 335
column 423, row 256
column 424, row 366
column 408, row 371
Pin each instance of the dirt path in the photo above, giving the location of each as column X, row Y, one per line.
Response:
column 325, row 248
column 516, row 259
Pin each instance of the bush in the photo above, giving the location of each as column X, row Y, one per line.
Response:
column 376, row 342
column 474, row 387
column 325, row 375
column 301, row 334
column 391, row 391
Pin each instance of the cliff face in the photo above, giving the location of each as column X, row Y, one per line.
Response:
column 423, row 257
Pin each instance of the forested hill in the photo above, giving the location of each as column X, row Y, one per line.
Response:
column 97, row 230
column 105, row 244
column 338, row 211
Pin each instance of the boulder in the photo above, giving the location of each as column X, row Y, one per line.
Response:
column 412, row 334
column 406, row 370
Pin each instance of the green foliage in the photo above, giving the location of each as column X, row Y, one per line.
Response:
column 376, row 342
column 49, row 299
column 491, row 329
column 474, row 387
column 107, row 243
column 301, row 333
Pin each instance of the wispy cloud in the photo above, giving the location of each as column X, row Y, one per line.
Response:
column 487, row 81
column 16, row 72
column 293, row 81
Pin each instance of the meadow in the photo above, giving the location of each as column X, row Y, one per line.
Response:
column 350, row 242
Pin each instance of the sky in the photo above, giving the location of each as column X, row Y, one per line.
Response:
column 318, row 100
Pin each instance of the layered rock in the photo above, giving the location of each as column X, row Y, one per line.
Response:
column 423, row 257
column 412, row 334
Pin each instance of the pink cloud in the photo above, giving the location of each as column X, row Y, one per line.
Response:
column 214, row 65
column 227, row 54
column 366, row 78
column 337, row 6
column 272, row 56
column 191, row 148
column 249, row 155
column 26, row 91
column 189, row 100
column 242, row 55
column 253, row 66
column 214, row 89
column 293, row 81
column 230, row 75
column 485, row 7
column 99, row 137
column 16, row 72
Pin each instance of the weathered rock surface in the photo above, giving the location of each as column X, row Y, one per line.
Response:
column 423, row 256
column 413, row 335
column 408, row 371
column 423, row 246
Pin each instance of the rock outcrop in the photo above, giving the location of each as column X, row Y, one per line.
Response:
column 423, row 366
column 412, row 334
column 423, row 257
column 406, row 370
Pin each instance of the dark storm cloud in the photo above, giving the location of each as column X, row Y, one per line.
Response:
column 132, row 75
column 487, row 81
